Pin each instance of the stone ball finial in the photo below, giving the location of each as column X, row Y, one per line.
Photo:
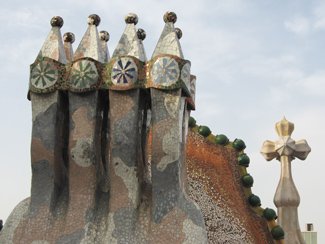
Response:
column 141, row 34
column 104, row 36
column 69, row 37
column 131, row 18
column 170, row 17
column 56, row 21
column 284, row 127
column 93, row 19
column 179, row 33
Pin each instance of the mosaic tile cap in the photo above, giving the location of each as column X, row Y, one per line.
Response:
column 68, row 39
column 53, row 46
column 104, row 38
column 168, row 42
column 141, row 36
column 90, row 46
column 129, row 42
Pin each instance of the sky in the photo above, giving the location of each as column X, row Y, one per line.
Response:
column 255, row 62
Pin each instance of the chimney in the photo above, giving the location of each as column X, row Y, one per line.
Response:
column 309, row 227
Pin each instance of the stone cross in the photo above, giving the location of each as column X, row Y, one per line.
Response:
column 286, row 198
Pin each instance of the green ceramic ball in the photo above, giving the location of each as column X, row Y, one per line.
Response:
column 239, row 145
column 243, row 160
column 277, row 232
column 204, row 131
column 254, row 200
column 222, row 140
column 247, row 180
column 191, row 122
column 269, row 214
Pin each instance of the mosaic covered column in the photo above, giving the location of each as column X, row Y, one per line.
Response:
column 170, row 79
column 48, row 149
column 49, row 123
column 88, row 177
column 126, row 116
column 287, row 198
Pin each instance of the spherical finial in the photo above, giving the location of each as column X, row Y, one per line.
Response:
column 141, row 34
column 93, row 19
column 222, row 140
column 69, row 37
column 170, row 17
column 179, row 33
column 131, row 18
column 269, row 214
column 104, row 36
column 239, row 145
column 56, row 21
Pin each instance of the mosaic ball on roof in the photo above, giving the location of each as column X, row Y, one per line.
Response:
column 247, row 180
column 93, row 19
column 170, row 17
column 222, row 140
column 179, row 33
column 254, row 200
column 239, row 145
column 69, row 37
column 104, row 35
column 56, row 21
column 277, row 232
column 269, row 214
column 131, row 18
column 141, row 34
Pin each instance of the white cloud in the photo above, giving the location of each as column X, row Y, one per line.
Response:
column 314, row 83
column 319, row 17
column 298, row 25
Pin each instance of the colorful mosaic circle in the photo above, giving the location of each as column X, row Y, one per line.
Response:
column 125, row 72
column 104, row 36
column 56, row 21
column 84, row 74
column 179, row 33
column 131, row 18
column 186, row 74
column 69, row 37
column 44, row 75
column 141, row 34
column 93, row 19
column 170, row 17
column 165, row 71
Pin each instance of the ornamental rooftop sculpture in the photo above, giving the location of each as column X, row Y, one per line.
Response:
column 286, row 198
column 113, row 159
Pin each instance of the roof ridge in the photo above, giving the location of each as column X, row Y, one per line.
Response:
column 246, row 179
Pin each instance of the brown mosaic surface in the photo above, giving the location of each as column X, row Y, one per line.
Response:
column 213, row 172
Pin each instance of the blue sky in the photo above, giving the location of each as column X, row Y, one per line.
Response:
column 255, row 62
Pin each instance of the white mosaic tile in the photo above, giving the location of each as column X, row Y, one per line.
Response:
column 90, row 46
column 104, row 37
column 129, row 44
column 53, row 47
column 168, row 42
column 143, row 51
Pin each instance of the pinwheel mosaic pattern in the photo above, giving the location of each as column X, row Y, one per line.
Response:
column 44, row 75
column 84, row 74
column 125, row 72
column 165, row 71
column 186, row 74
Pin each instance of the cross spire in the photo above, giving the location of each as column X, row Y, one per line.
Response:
column 287, row 198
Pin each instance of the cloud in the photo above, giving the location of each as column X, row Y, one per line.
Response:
column 298, row 25
column 319, row 17
column 314, row 83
